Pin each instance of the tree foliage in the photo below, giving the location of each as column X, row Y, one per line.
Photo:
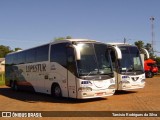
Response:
column 16, row 49
column 62, row 38
column 148, row 46
column 4, row 50
column 158, row 60
column 139, row 44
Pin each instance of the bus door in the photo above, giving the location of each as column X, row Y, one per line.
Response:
column 71, row 66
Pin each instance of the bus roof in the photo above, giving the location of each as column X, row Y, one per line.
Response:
column 55, row 42
column 118, row 44
column 73, row 40
column 81, row 40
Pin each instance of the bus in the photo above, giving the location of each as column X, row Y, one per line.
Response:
column 74, row 68
column 129, row 70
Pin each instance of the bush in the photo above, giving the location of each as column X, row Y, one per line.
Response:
column 2, row 83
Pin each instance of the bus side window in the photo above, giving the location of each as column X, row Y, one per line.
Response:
column 42, row 53
column 71, row 64
column 31, row 55
column 58, row 54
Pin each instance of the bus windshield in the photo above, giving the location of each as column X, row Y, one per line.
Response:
column 94, row 60
column 131, row 60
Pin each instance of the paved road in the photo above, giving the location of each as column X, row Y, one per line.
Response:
column 147, row 99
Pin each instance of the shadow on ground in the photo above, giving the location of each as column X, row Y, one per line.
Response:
column 32, row 97
column 123, row 92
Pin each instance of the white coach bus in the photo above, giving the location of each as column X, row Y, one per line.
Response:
column 75, row 68
column 129, row 72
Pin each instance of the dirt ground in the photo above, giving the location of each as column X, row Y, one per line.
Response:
column 146, row 99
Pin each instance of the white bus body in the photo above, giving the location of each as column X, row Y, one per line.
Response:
column 74, row 68
column 128, row 70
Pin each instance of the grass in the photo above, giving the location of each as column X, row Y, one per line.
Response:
column 2, row 83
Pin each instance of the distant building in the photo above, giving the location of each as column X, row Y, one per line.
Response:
column 2, row 64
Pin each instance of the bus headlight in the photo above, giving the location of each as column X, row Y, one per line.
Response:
column 85, row 89
column 143, row 80
column 112, row 81
column 112, row 87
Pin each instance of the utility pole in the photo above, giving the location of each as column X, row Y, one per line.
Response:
column 152, row 33
column 124, row 40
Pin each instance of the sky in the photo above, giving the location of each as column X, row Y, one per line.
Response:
column 28, row 23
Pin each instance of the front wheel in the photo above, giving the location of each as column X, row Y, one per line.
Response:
column 14, row 86
column 149, row 74
column 56, row 91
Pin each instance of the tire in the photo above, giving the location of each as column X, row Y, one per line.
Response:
column 14, row 86
column 56, row 91
column 149, row 74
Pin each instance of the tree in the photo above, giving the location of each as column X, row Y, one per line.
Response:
column 148, row 47
column 157, row 59
column 62, row 38
column 16, row 49
column 4, row 50
column 68, row 37
column 139, row 44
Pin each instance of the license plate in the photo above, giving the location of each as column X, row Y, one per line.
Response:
column 99, row 94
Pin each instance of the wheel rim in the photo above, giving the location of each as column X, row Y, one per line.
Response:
column 15, row 87
column 57, row 91
column 12, row 85
column 150, row 74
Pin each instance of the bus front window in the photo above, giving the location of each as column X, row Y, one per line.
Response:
column 94, row 60
column 130, row 61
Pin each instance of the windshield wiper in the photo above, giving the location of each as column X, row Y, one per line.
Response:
column 89, row 74
column 129, row 68
column 92, row 72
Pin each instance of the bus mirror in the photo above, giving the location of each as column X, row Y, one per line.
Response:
column 78, row 53
column 142, row 59
column 118, row 52
column 145, row 52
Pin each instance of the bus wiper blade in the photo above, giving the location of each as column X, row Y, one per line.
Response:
column 89, row 74
column 129, row 68
column 92, row 72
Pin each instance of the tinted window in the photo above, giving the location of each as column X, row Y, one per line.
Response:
column 14, row 58
column 21, row 57
column 9, row 59
column 58, row 54
column 42, row 53
column 87, row 64
column 31, row 55
column 130, row 59
column 94, row 59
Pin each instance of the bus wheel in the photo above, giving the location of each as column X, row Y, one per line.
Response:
column 56, row 91
column 149, row 74
column 14, row 85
